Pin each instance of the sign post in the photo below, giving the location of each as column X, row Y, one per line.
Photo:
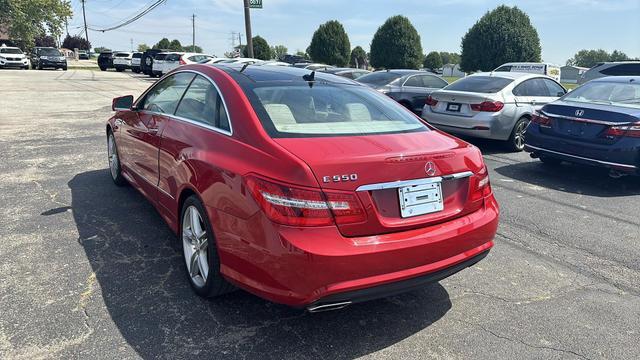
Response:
column 247, row 24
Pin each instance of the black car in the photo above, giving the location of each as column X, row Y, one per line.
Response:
column 146, row 62
column 105, row 60
column 408, row 87
column 47, row 57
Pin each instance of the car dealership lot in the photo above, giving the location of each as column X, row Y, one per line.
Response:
column 90, row 270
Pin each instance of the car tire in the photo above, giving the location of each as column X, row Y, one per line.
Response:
column 550, row 161
column 199, row 250
column 114, row 161
column 64, row 68
column 103, row 69
column 516, row 140
column 119, row 69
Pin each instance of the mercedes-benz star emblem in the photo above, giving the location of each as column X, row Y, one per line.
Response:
column 430, row 168
column 579, row 113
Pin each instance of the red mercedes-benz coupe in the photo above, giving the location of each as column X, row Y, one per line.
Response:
column 303, row 188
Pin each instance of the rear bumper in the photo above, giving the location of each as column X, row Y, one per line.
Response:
column 302, row 266
column 486, row 125
column 623, row 155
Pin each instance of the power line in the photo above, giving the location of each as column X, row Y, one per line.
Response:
column 132, row 19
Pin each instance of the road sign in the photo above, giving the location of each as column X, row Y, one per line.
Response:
column 255, row 4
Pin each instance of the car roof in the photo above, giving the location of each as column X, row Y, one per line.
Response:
column 509, row 75
column 259, row 73
column 405, row 72
column 618, row 79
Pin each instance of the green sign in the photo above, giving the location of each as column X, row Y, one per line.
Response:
column 255, row 4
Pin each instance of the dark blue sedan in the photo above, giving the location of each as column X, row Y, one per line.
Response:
column 596, row 124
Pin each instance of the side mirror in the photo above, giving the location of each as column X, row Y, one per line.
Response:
column 122, row 103
column 561, row 93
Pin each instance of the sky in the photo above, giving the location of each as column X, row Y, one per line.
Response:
column 564, row 26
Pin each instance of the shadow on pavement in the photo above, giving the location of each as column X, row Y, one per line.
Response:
column 572, row 178
column 140, row 272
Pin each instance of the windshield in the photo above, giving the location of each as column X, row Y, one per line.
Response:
column 378, row 78
column 480, row 84
column 613, row 93
column 49, row 52
column 298, row 110
column 10, row 51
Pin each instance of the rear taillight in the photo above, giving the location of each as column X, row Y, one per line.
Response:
column 297, row 206
column 431, row 101
column 182, row 62
column 632, row 130
column 542, row 120
column 480, row 185
column 488, row 106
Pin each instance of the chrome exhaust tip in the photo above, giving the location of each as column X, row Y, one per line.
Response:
column 328, row 307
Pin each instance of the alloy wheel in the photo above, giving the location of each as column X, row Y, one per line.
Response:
column 114, row 164
column 518, row 139
column 195, row 243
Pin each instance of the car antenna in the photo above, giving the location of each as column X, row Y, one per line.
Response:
column 244, row 67
column 310, row 78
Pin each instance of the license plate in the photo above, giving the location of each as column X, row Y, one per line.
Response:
column 420, row 199
column 453, row 107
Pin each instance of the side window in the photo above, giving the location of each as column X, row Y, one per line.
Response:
column 622, row 70
column 164, row 97
column 554, row 89
column 531, row 87
column 202, row 103
column 433, row 82
column 415, row 81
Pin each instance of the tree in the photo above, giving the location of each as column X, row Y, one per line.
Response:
column 143, row 47
column 433, row 61
column 396, row 44
column 358, row 57
column 192, row 48
column 330, row 44
column 302, row 54
column 27, row 19
column 502, row 35
column 261, row 49
column 100, row 49
column 73, row 42
column 46, row 41
column 449, row 58
column 162, row 44
column 589, row 58
column 175, row 45
column 279, row 51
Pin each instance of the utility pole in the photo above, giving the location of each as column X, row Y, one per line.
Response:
column 84, row 16
column 131, row 44
column 240, row 39
column 247, row 24
column 193, row 26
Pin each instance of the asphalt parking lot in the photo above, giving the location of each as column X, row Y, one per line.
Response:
column 89, row 270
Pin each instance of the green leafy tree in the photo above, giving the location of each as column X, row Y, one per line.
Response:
column 143, row 47
column 162, row 44
column 175, row 45
column 100, row 49
column 28, row 19
column 261, row 49
column 396, row 44
column 502, row 35
column 279, row 51
column 45, row 40
column 303, row 54
column 73, row 42
column 617, row 55
column 358, row 57
column 433, row 61
column 330, row 44
column 449, row 58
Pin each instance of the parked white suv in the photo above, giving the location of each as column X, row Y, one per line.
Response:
column 13, row 57
column 176, row 59
column 122, row 60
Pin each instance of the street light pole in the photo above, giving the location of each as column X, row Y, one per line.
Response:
column 247, row 23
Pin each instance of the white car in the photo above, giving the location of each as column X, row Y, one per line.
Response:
column 135, row 62
column 214, row 60
column 176, row 59
column 550, row 70
column 122, row 60
column 250, row 61
column 276, row 63
column 13, row 57
column 158, row 64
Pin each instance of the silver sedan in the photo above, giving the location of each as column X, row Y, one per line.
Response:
column 491, row 105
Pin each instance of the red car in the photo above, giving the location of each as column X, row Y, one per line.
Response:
column 304, row 188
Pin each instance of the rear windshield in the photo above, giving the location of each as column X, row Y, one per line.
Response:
column 137, row 55
column 480, row 84
column 378, row 78
column 49, row 52
column 297, row 110
column 10, row 51
column 122, row 55
column 611, row 93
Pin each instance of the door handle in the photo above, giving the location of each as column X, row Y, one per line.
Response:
column 153, row 130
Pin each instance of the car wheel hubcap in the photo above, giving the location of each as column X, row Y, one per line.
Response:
column 195, row 243
column 519, row 135
column 113, row 157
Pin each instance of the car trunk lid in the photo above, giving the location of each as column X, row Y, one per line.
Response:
column 372, row 166
column 458, row 103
